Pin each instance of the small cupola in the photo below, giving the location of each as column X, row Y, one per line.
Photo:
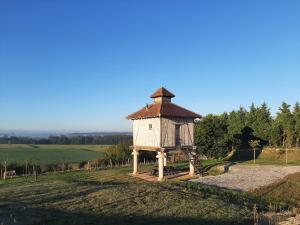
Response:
column 162, row 95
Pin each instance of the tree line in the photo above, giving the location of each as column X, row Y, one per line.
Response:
column 217, row 135
column 67, row 140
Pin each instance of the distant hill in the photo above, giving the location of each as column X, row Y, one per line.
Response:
column 31, row 134
column 99, row 133
column 46, row 134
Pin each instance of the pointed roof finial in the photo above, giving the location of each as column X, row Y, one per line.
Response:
column 162, row 92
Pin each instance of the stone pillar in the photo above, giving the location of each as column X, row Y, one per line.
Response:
column 192, row 169
column 165, row 159
column 160, row 156
column 135, row 154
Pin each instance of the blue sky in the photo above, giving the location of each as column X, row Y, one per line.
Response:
column 85, row 65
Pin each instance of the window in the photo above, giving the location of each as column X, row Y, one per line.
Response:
column 150, row 126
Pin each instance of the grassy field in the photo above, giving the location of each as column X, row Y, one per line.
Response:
column 46, row 154
column 286, row 190
column 273, row 156
column 112, row 197
column 269, row 156
column 54, row 154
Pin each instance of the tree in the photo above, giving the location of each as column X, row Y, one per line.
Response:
column 260, row 121
column 117, row 154
column 285, row 120
column 254, row 145
column 276, row 134
column 237, row 120
column 296, row 114
column 211, row 136
column 215, row 135
column 263, row 123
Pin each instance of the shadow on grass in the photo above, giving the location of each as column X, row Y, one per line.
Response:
column 245, row 152
column 92, row 187
column 208, row 167
column 34, row 146
column 21, row 214
column 243, row 155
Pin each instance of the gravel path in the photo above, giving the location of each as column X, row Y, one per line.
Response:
column 249, row 177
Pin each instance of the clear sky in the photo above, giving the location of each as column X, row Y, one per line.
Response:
column 85, row 65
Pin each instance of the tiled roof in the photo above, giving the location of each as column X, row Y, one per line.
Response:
column 163, row 109
column 162, row 92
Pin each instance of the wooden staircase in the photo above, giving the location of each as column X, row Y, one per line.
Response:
column 194, row 160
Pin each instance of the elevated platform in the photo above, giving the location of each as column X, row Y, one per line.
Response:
column 164, row 149
column 178, row 176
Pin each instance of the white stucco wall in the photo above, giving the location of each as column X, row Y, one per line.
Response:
column 162, row 133
column 142, row 136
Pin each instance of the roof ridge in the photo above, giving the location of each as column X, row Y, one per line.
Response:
column 182, row 108
column 163, row 109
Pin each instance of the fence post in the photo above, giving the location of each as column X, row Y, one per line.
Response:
column 89, row 166
column 286, row 155
column 26, row 170
column 5, row 170
column 35, row 173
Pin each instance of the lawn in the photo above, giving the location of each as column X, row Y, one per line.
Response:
column 286, row 190
column 273, row 156
column 112, row 197
column 268, row 156
column 46, row 154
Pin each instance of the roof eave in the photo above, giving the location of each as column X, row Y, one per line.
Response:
column 139, row 118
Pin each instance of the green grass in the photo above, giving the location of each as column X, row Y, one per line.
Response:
column 49, row 154
column 267, row 161
column 269, row 156
column 113, row 197
column 285, row 191
column 277, row 157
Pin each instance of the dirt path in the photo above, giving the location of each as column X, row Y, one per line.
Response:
column 249, row 177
